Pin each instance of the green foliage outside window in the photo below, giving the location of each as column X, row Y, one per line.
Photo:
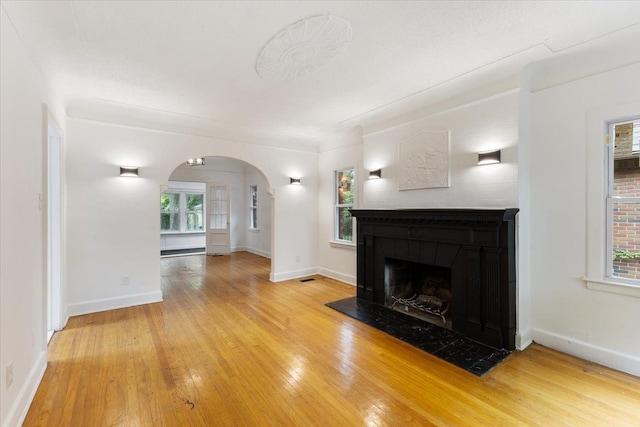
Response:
column 170, row 212
column 345, row 195
column 194, row 212
column 625, row 255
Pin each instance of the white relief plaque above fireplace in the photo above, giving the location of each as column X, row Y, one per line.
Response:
column 424, row 161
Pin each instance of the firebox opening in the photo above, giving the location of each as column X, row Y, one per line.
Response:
column 420, row 290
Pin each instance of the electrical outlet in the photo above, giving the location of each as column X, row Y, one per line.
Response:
column 9, row 374
column 126, row 280
column 297, row 258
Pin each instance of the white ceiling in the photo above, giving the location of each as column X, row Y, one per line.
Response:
column 198, row 59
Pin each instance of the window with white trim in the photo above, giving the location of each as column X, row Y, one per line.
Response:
column 623, row 202
column 170, row 211
column 600, row 166
column 181, row 212
column 194, row 211
column 253, row 207
column 344, row 200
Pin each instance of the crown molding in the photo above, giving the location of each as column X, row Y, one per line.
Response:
column 127, row 115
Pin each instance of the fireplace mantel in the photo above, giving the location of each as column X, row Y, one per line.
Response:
column 477, row 244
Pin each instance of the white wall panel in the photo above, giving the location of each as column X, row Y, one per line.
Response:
column 481, row 126
column 116, row 226
column 23, row 238
column 595, row 325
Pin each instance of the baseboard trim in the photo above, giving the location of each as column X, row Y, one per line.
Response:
column 346, row 278
column 65, row 317
column 259, row 252
column 289, row 275
column 20, row 407
column 114, row 303
column 523, row 339
column 603, row 356
column 296, row 274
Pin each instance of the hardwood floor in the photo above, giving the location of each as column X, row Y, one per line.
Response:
column 229, row 348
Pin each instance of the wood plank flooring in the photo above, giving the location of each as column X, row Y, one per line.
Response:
column 229, row 348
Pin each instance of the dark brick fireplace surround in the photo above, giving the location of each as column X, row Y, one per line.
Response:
column 478, row 245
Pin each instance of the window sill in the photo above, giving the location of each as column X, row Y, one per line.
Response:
column 253, row 230
column 342, row 245
column 613, row 287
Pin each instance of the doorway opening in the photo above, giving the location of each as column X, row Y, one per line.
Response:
column 218, row 206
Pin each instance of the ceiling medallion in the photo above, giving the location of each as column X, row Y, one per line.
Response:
column 303, row 47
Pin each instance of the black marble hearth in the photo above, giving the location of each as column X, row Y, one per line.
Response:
column 451, row 346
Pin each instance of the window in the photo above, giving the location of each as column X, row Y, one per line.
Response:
column 623, row 203
column 345, row 192
column 170, row 212
column 194, row 211
column 601, row 198
column 181, row 211
column 253, row 207
column 636, row 137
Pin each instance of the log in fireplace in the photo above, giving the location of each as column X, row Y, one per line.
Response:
column 457, row 263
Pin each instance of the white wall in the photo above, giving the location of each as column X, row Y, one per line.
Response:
column 23, row 322
column 341, row 151
column 565, row 315
column 295, row 223
column 483, row 125
column 115, row 223
column 258, row 241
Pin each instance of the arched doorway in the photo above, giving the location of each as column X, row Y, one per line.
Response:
column 195, row 213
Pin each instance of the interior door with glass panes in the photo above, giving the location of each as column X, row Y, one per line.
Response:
column 218, row 238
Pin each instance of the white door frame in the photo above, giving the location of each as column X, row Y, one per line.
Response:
column 55, row 253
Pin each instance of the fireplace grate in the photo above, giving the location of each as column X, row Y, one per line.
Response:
column 427, row 303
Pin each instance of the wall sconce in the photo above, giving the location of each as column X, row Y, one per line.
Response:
column 489, row 157
column 294, row 181
column 376, row 174
column 128, row 171
column 198, row 161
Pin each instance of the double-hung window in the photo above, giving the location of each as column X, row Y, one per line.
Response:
column 194, row 210
column 612, row 219
column 170, row 212
column 623, row 203
column 253, row 207
column 181, row 211
column 344, row 200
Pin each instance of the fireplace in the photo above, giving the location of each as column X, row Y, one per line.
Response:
column 453, row 266
column 420, row 290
